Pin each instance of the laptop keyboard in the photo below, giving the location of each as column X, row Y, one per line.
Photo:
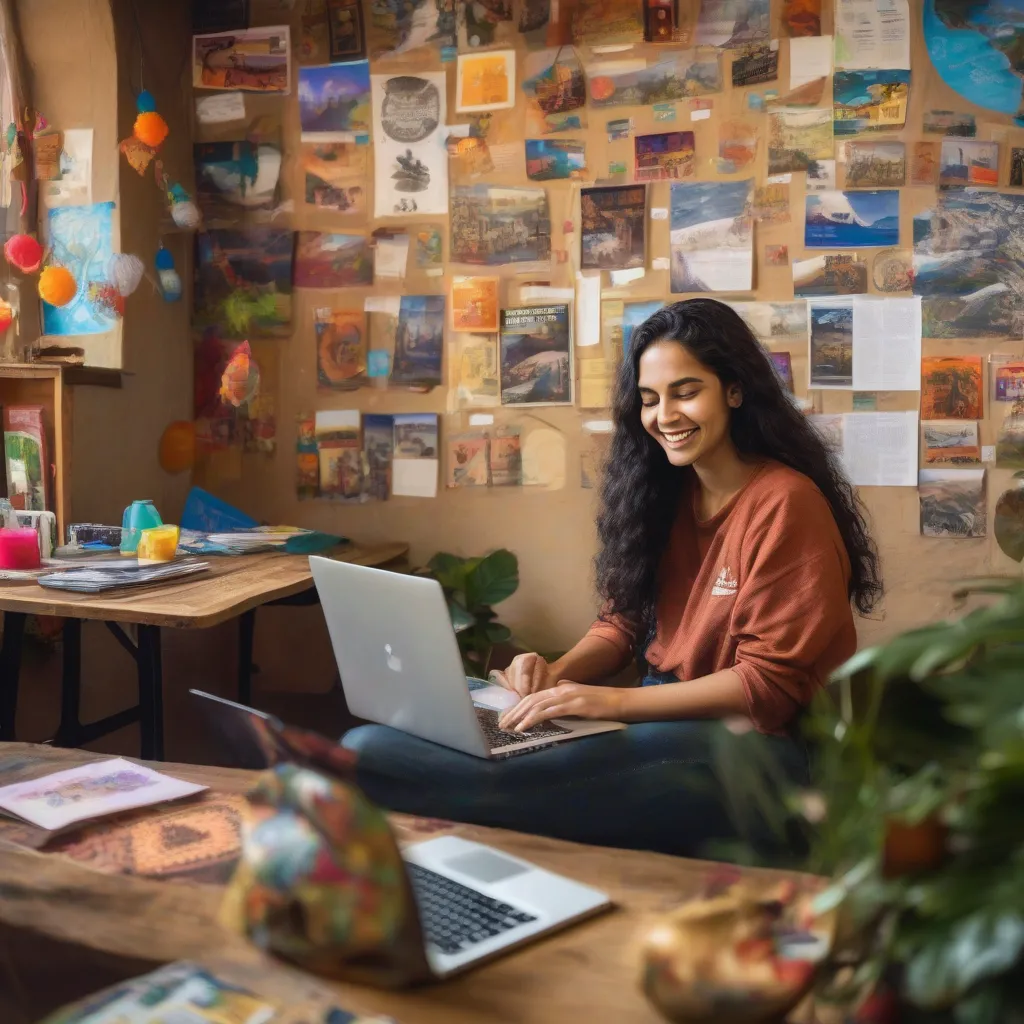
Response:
column 454, row 916
column 488, row 719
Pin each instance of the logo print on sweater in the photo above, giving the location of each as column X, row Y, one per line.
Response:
column 726, row 584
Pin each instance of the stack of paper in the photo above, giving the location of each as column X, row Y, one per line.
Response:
column 92, row 581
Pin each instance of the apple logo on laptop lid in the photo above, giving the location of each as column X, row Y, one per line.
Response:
column 394, row 662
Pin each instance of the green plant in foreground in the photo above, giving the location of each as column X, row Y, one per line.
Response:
column 471, row 587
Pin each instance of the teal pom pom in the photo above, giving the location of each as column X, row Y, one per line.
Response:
column 145, row 104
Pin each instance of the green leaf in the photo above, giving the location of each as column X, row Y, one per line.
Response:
column 495, row 578
column 497, row 633
column 461, row 619
column 448, row 570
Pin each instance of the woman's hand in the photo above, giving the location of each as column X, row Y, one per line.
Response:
column 562, row 701
column 527, row 674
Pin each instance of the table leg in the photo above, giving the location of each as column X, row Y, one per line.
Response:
column 151, row 694
column 69, row 730
column 246, row 632
column 10, row 669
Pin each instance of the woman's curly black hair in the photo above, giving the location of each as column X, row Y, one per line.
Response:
column 640, row 490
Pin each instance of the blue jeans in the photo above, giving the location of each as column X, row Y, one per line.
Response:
column 671, row 787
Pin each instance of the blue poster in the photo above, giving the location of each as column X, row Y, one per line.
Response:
column 850, row 220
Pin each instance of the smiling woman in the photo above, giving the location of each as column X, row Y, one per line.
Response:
column 732, row 546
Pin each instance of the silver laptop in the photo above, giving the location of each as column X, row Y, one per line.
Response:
column 473, row 902
column 400, row 665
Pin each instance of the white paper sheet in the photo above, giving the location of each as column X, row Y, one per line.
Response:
column 414, row 478
column 887, row 344
column 810, row 57
column 390, row 257
column 220, row 108
column 872, row 34
column 588, row 308
column 880, row 448
column 74, row 187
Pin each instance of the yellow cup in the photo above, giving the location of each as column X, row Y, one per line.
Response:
column 158, row 544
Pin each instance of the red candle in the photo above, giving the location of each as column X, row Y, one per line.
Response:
column 19, row 549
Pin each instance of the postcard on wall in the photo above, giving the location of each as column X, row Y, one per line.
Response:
column 468, row 460
column 492, row 226
column 475, row 304
column 419, row 340
column 234, row 179
column 949, row 122
column 737, row 145
column 953, row 503
column 893, row 271
column 333, row 175
column 952, row 388
column 1016, row 167
column 968, row 162
column 410, row 147
column 821, row 176
column 332, row 260
column 485, row 81
column 473, row 367
column 90, row 791
column 555, row 159
column 556, row 92
column 869, row 100
column 334, row 102
column 253, row 60
column 872, row 34
column 831, row 343
column 608, row 22
column 416, row 455
column 755, row 63
column 378, row 455
column 346, row 30
column 667, row 155
column 613, row 223
column 408, row 26
column 340, row 452
column 924, row 163
column 633, row 315
column 770, row 204
column 506, row 458
column 949, row 443
column 796, row 138
column 482, row 24
column 712, row 237
column 732, row 23
column 1010, row 438
column 875, row 164
column 340, row 347
column 847, row 220
column 1009, row 382
column 776, row 323
column 637, row 83
column 536, row 356
column 832, row 273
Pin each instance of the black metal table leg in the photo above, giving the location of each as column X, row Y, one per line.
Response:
column 70, row 728
column 10, row 670
column 246, row 632
column 151, row 693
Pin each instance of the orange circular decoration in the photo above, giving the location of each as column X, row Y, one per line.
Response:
column 178, row 447
column 24, row 252
column 151, row 129
column 57, row 286
column 6, row 315
column 602, row 87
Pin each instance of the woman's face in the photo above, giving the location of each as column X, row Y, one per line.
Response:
column 684, row 406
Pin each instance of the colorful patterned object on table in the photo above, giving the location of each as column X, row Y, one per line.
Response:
column 321, row 882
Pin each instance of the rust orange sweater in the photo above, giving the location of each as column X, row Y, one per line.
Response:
column 761, row 588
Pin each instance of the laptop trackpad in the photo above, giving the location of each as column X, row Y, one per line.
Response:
column 485, row 866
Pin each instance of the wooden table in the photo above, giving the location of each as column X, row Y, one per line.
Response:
column 66, row 930
column 234, row 587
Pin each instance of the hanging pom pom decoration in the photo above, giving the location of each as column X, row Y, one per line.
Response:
column 145, row 103
column 6, row 316
column 185, row 215
column 178, row 447
column 170, row 280
column 24, row 253
column 125, row 272
column 57, row 285
column 151, row 129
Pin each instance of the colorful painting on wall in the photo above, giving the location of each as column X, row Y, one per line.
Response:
column 492, row 226
column 234, row 179
column 968, row 162
column 252, row 60
column 332, row 260
column 847, row 220
column 712, row 236
column 536, row 356
column 869, row 100
column 556, row 92
column 340, row 347
column 334, row 101
column 334, row 173
column 667, row 155
column 952, row 388
column 419, row 340
column 613, row 223
column 620, row 83
column 952, row 502
column 555, row 159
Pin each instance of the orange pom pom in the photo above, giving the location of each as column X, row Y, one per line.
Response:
column 178, row 447
column 57, row 286
column 6, row 315
column 151, row 129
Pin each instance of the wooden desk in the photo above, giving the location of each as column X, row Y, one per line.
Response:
column 234, row 587
column 66, row 930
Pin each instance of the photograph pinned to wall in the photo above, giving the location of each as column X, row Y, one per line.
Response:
column 483, row 23
column 339, row 448
column 555, row 159
column 924, row 163
column 776, row 255
column 80, row 238
column 712, row 237
column 346, row 31
column 334, row 102
column 556, row 92
column 970, row 290
column 473, row 367
column 798, row 137
column 332, row 260
column 506, row 458
column 952, row 388
column 402, row 26
column 864, row 101
column 949, row 122
column 801, row 18
column 341, row 342
column 485, row 81
column 475, row 304
column 536, row 356
column 636, row 83
column 893, row 271
column 468, row 460
column 613, row 222
column 737, row 145
column 251, row 60
column 755, row 63
column 770, row 205
column 1016, row 167
column 667, row 155
column 821, row 176
column 832, row 273
column 732, row 23
column 831, row 344
column 378, row 455
column 419, row 341
column 782, row 362
column 952, row 502
column 633, row 315
column 607, row 22
column 1010, row 438
column 410, row 144
column 428, row 246
column 234, row 179
column 414, row 469
column 333, row 175
column 847, row 220
column 776, row 323
column 1008, row 382
column 968, row 162
column 307, row 460
column 534, row 16
column 950, row 443
column 492, row 226
column 875, row 164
